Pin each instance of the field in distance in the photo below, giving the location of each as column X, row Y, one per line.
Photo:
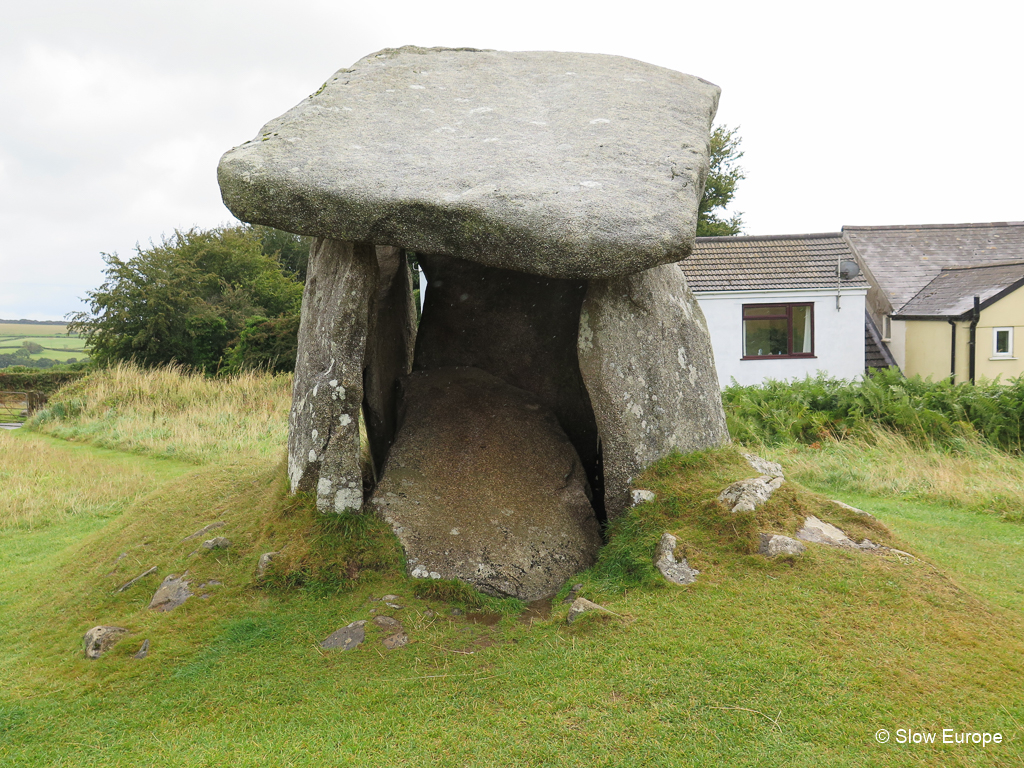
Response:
column 53, row 338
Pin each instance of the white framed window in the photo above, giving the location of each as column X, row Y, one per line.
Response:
column 778, row 330
column 886, row 328
column 1002, row 342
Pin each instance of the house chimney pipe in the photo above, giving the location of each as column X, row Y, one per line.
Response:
column 952, row 350
column 975, row 317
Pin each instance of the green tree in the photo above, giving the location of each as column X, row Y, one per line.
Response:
column 267, row 343
column 720, row 186
column 290, row 250
column 185, row 299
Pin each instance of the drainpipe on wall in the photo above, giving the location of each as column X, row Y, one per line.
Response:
column 975, row 317
column 952, row 350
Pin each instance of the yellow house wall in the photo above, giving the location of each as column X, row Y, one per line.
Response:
column 928, row 349
column 928, row 344
column 1008, row 312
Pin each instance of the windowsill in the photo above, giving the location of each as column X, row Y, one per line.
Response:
column 781, row 357
column 1002, row 357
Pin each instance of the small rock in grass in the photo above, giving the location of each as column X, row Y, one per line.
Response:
column 676, row 571
column 852, row 509
column 346, row 638
column 264, row 563
column 819, row 532
column 773, row 544
column 395, row 606
column 869, row 544
column 386, row 622
column 218, row 543
column 574, row 592
column 765, row 467
column 639, row 497
column 580, row 606
column 170, row 594
column 397, row 640
column 428, row 614
column 99, row 640
column 143, row 651
column 747, row 495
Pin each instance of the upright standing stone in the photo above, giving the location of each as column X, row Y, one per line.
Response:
column 323, row 428
column 389, row 349
column 645, row 355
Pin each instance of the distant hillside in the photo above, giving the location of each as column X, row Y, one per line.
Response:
column 23, row 321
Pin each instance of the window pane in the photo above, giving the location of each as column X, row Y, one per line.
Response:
column 764, row 311
column 801, row 330
column 1002, row 341
column 765, row 337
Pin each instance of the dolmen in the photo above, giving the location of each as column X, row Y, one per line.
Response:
column 547, row 198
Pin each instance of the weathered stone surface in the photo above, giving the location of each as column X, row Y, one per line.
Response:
column 521, row 328
column 773, row 544
column 99, row 640
column 216, row 543
column 346, row 638
column 645, row 355
column 397, row 640
column 483, row 485
column 323, row 428
column 562, row 164
column 820, row 532
column 748, row 495
column 170, row 594
column 676, row 571
column 389, row 349
column 765, row 467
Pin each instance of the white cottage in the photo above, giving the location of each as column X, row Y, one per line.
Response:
column 782, row 306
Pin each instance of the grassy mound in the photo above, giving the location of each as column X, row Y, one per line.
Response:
column 784, row 661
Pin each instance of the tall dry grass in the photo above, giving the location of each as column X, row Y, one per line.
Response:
column 976, row 476
column 42, row 482
column 173, row 413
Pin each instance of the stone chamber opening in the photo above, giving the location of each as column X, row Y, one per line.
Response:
column 521, row 328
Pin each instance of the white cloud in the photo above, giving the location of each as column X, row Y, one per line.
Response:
column 116, row 112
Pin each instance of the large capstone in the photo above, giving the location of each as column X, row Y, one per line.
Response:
column 483, row 485
column 566, row 165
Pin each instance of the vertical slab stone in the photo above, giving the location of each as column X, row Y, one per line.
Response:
column 645, row 355
column 323, row 428
column 389, row 349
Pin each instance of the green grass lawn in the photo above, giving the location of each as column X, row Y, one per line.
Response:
column 786, row 662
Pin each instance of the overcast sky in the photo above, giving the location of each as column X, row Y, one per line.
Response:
column 115, row 112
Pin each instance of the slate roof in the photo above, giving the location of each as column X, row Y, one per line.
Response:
column 774, row 262
column 905, row 259
column 952, row 292
column 876, row 353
